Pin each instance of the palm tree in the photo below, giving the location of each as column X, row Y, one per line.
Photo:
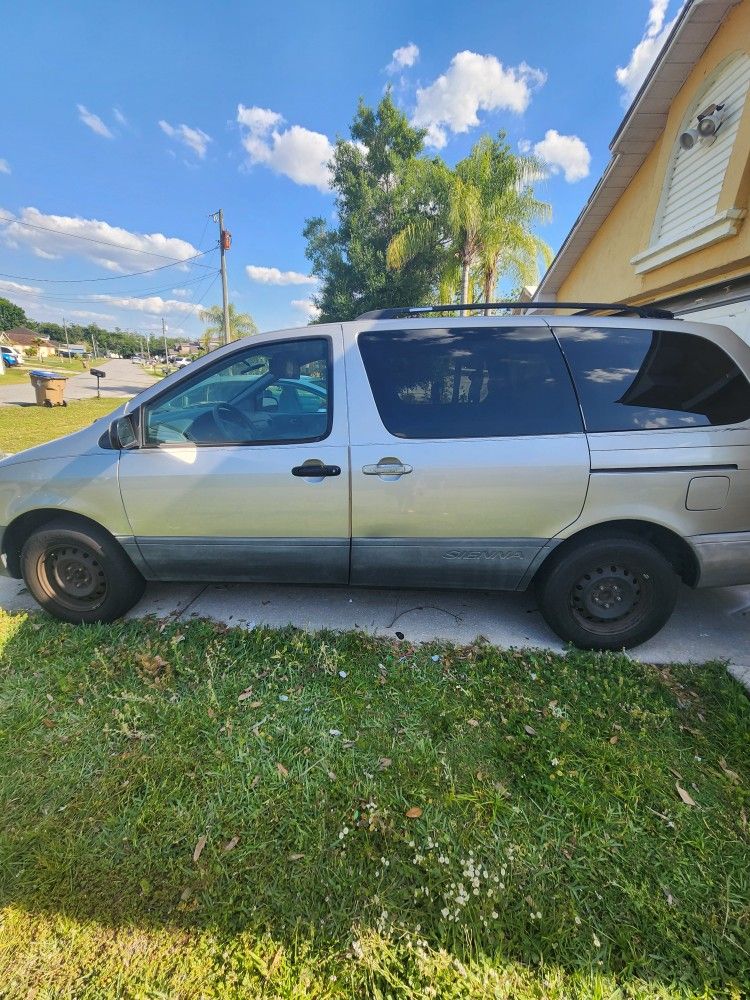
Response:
column 484, row 226
column 240, row 324
column 507, row 245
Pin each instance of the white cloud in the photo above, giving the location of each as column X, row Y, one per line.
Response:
column 60, row 235
column 94, row 122
column 403, row 58
column 96, row 317
column 307, row 307
column 4, row 167
column 564, row 152
column 44, row 255
column 642, row 57
column 194, row 138
column 295, row 152
column 182, row 293
column 471, row 84
column 154, row 305
column 10, row 287
column 119, row 116
column 273, row 276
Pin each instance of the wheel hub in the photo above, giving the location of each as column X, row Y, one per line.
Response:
column 606, row 594
column 75, row 576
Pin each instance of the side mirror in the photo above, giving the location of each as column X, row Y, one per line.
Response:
column 122, row 435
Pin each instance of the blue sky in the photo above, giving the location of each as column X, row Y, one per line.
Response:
column 128, row 124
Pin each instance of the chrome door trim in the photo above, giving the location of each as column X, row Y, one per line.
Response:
column 383, row 469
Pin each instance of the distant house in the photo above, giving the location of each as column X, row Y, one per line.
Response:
column 28, row 343
column 667, row 223
column 187, row 348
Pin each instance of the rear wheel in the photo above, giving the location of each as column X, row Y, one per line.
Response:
column 608, row 593
column 79, row 574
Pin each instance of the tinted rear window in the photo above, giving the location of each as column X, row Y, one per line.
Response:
column 649, row 379
column 484, row 382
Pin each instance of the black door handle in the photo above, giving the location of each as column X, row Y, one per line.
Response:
column 316, row 471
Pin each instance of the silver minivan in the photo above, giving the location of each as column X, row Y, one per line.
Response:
column 602, row 459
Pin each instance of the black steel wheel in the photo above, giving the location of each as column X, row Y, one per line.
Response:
column 79, row 574
column 607, row 593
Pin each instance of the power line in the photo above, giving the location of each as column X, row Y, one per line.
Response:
column 111, row 277
column 88, row 239
column 90, row 297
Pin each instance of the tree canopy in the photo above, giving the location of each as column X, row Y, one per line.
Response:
column 240, row 324
column 11, row 315
column 483, row 228
column 381, row 185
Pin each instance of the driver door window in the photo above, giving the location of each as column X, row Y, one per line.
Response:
column 275, row 393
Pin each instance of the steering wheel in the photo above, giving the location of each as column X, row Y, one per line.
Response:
column 232, row 423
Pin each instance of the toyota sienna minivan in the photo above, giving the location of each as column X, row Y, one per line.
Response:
column 603, row 460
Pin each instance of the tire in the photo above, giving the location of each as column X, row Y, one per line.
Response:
column 607, row 593
column 79, row 574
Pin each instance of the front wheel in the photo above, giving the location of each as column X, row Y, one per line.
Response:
column 607, row 593
column 79, row 574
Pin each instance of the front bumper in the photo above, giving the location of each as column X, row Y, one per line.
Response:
column 724, row 558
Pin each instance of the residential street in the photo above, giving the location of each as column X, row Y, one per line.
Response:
column 123, row 378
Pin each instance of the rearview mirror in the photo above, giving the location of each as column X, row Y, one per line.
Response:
column 122, row 434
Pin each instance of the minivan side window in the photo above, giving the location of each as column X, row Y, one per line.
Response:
column 640, row 379
column 470, row 382
column 269, row 394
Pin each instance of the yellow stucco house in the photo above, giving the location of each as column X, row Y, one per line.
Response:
column 667, row 223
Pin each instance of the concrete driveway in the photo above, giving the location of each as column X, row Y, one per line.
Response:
column 123, row 378
column 707, row 625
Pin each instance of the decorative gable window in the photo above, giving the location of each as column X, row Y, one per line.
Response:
column 688, row 217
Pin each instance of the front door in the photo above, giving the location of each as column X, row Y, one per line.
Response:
column 468, row 452
column 243, row 472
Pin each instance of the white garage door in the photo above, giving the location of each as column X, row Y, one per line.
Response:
column 735, row 315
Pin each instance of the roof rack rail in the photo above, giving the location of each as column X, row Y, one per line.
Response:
column 618, row 308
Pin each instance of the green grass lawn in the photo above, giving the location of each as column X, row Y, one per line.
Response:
column 195, row 812
column 26, row 426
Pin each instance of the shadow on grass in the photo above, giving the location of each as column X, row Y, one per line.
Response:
column 191, row 777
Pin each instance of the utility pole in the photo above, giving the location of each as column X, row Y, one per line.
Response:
column 93, row 341
column 164, row 334
column 225, row 242
column 67, row 342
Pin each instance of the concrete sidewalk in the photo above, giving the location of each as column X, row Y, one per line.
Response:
column 123, row 378
column 707, row 625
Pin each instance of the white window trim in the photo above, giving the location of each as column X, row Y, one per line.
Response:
column 723, row 225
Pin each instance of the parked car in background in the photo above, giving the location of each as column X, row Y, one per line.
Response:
column 602, row 460
column 10, row 358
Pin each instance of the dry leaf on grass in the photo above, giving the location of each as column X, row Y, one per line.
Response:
column 199, row 847
column 231, row 844
column 529, row 730
column 613, row 739
column 686, row 797
column 282, row 770
column 244, row 695
column 732, row 775
column 295, row 857
column 384, row 763
column 472, row 722
column 414, row 813
column 255, row 782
